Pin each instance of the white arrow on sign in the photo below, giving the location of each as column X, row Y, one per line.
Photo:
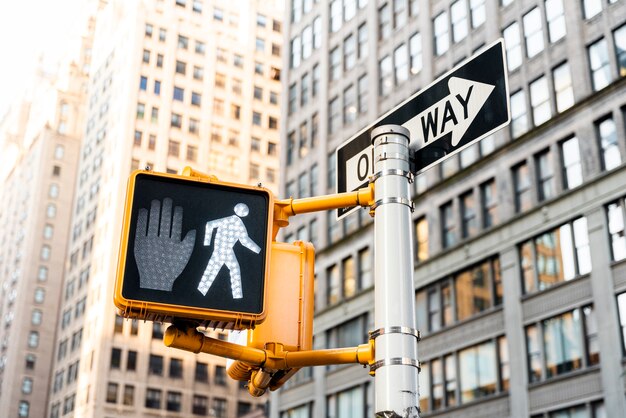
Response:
column 454, row 113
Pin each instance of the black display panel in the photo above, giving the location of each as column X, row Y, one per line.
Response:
column 197, row 244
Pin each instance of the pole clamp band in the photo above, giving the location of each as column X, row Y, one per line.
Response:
column 386, row 139
column 395, row 361
column 391, row 172
column 402, row 200
column 392, row 156
column 395, row 330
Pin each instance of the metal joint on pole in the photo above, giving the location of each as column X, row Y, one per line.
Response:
column 396, row 366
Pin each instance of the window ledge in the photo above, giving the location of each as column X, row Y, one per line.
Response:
column 554, row 287
column 565, row 376
column 463, row 323
column 446, row 411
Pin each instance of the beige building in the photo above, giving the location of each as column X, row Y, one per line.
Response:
column 520, row 248
column 174, row 83
column 43, row 134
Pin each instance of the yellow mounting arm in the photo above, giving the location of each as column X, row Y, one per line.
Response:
column 284, row 209
column 272, row 357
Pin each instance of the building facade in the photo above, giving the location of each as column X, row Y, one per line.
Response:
column 519, row 239
column 173, row 83
column 38, row 190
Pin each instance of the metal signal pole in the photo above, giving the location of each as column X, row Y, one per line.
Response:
column 396, row 365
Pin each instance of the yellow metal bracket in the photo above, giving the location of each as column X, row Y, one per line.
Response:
column 286, row 208
column 268, row 361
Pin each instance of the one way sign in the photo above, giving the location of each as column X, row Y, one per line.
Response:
column 459, row 108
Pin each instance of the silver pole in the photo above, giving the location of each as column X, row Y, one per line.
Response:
column 396, row 338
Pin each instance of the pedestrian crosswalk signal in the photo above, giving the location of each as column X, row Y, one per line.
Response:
column 194, row 248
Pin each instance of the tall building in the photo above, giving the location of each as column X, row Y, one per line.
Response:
column 37, row 193
column 519, row 239
column 173, row 83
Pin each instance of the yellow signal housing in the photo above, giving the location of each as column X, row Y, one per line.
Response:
column 289, row 322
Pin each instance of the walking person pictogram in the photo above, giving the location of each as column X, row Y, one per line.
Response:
column 229, row 230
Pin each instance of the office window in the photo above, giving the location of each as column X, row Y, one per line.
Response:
column 599, row 64
column 155, row 365
column 179, row 93
column 198, row 73
column 334, row 65
column 479, row 371
column 424, row 387
column 555, row 256
column 555, row 15
column 334, row 115
column 315, row 84
column 442, row 38
column 401, row 65
column 332, row 170
column 349, row 53
column 489, row 203
column 621, row 304
column 307, row 44
column 458, row 15
column 619, row 36
column 362, row 92
column 362, row 35
column 292, row 99
column 201, row 372
column 219, row 407
column 616, row 214
column 476, row 289
column 129, row 395
column 448, row 225
column 385, row 81
column 30, row 362
column 469, row 224
column 176, row 120
column 349, row 105
column 545, row 175
column 218, row 107
column 540, row 100
column 563, row 344
column 384, row 22
column 33, row 339
column 183, row 42
column 349, row 278
column 366, row 275
column 176, row 368
column 181, row 67
column 333, row 285
column 513, row 46
column 153, row 398
column 200, row 405
column 519, row 115
column 40, row 295
column 591, row 8
column 304, row 90
column 317, row 32
column 174, row 401
column 572, row 166
column 111, row 392
column 220, row 376
column 256, row 118
column 607, row 137
column 477, row 12
column 522, row 187
column 157, row 87
column 533, row 32
column 148, row 30
column 116, row 358
column 400, row 13
column 335, row 15
column 173, row 148
column 421, row 239
column 196, row 98
column 415, row 52
column 131, row 360
column 563, row 88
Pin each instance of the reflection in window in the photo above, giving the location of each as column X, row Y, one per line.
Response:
column 599, row 64
column 513, row 46
column 556, row 256
column 555, row 16
column 559, row 340
column 478, row 373
column 563, row 89
column 572, row 168
column 440, row 29
column 519, row 115
column 540, row 100
column 522, row 189
column 533, row 32
column 619, row 36
column 607, row 135
column 615, row 215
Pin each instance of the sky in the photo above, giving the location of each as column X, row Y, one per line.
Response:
column 29, row 29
